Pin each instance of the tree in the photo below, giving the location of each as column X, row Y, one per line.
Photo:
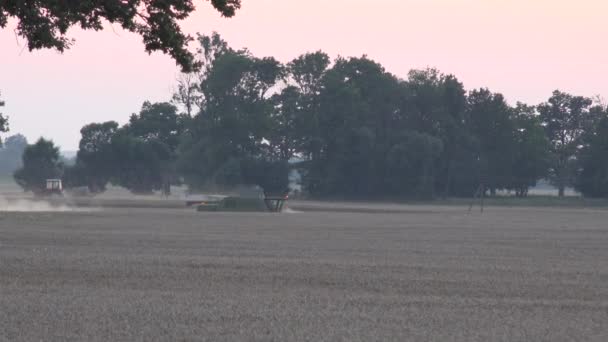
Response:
column 411, row 165
column 308, row 70
column 95, row 162
column 11, row 153
column 45, row 23
column 531, row 160
column 286, row 136
column 237, row 109
column 592, row 178
column 188, row 92
column 305, row 76
column 160, row 127
column 356, row 123
column 491, row 124
column 234, row 121
column 436, row 104
column 565, row 118
column 139, row 163
column 41, row 161
column 271, row 176
column 192, row 86
column 3, row 121
column 157, row 121
column 139, row 156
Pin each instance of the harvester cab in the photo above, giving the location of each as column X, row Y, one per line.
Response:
column 53, row 187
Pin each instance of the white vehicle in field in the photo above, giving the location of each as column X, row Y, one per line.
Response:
column 53, row 187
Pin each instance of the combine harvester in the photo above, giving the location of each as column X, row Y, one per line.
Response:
column 241, row 203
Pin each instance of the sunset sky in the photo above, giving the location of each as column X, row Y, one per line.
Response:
column 521, row 48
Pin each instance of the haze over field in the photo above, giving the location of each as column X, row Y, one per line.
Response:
column 523, row 49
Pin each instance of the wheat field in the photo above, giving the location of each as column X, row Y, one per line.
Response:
column 346, row 273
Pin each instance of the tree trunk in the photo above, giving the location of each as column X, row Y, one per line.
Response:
column 448, row 181
column 562, row 190
column 561, row 177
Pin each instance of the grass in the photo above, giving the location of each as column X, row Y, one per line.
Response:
column 502, row 201
column 6, row 179
column 532, row 201
column 7, row 184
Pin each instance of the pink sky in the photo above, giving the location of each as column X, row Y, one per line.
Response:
column 521, row 48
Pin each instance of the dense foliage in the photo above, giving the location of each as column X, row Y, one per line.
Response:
column 3, row 121
column 41, row 161
column 565, row 119
column 44, row 23
column 139, row 156
column 592, row 179
column 351, row 129
column 10, row 154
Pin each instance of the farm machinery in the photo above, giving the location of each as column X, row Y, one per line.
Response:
column 273, row 204
column 54, row 187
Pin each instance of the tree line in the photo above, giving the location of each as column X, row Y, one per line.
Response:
column 351, row 128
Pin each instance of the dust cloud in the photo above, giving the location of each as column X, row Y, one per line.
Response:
column 28, row 205
column 290, row 211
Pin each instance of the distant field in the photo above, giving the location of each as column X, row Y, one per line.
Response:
column 489, row 202
column 530, row 201
column 118, row 197
column 7, row 185
column 354, row 272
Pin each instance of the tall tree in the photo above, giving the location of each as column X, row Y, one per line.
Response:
column 95, row 162
column 357, row 108
column 307, row 71
column 139, row 156
column 159, row 126
column 531, row 159
column 188, row 92
column 564, row 118
column 270, row 175
column 592, row 177
column 305, row 75
column 3, row 121
column 236, row 108
column 491, row 124
column 41, row 161
column 436, row 104
column 157, row 121
column 11, row 153
column 192, row 91
column 45, row 23
column 140, row 163
column 411, row 165
column 286, row 136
